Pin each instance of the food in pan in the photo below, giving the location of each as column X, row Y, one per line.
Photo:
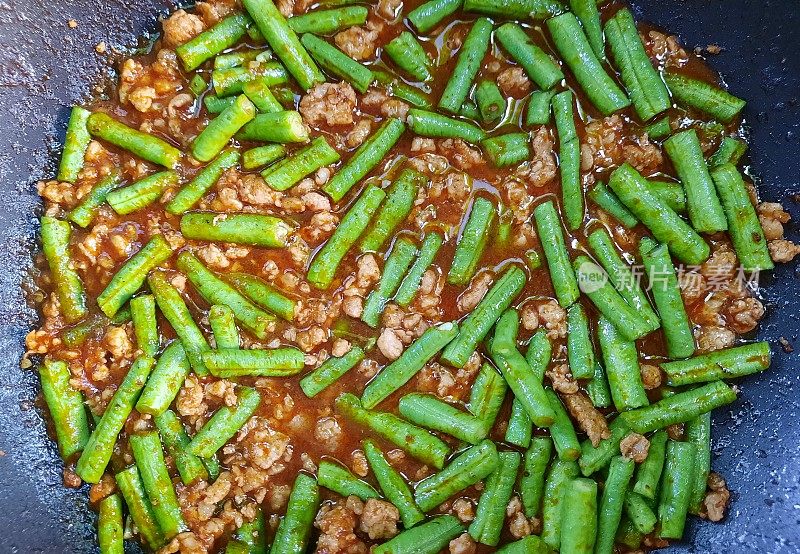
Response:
column 401, row 278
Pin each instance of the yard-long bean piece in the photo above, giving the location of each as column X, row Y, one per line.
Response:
column 520, row 426
column 469, row 467
column 177, row 314
column 143, row 145
column 427, row 252
column 284, row 42
column 216, row 291
column 253, row 229
column 698, row 433
column 575, row 50
column 428, row 15
column 589, row 16
column 294, row 530
column 68, row 285
column 341, row 481
column 428, row 538
column 263, row 295
column 559, row 476
column 562, row 431
column 579, row 517
column 174, row 436
column 267, row 362
column 323, row 267
column 338, row 63
column 680, row 407
column 474, row 235
column 398, row 262
column 109, row 525
column 330, row 371
column 83, row 214
column 594, row 283
column 166, row 380
column 283, row 126
column 555, row 252
column 744, row 228
column 703, row 96
column 538, row 112
column 145, row 327
column 491, row 512
column 491, row 102
column 622, row 276
column 142, row 193
column 98, row 449
column 531, row 544
column 666, row 293
column 225, row 423
column 594, row 458
column 261, row 96
column 621, row 360
column 289, row 171
column 418, row 442
column 516, row 9
column 76, row 142
column 223, row 327
column 211, row 42
column 478, row 323
column 221, row 129
column 66, row 408
column 686, row 155
column 431, row 124
column 647, row 91
column 392, row 484
column 610, row 204
column 149, row 457
column 580, row 351
column 129, row 483
column 409, row 55
column 202, row 182
column 648, row 473
column 487, row 395
column 508, row 149
column 428, row 411
column 569, row 152
column 470, row 56
column 253, row 534
column 728, row 363
column 400, row 197
column 673, row 503
column 534, row 466
column 231, row 80
column 597, row 388
column 323, row 22
column 666, row 225
column 410, row 362
column 536, row 62
column 132, row 274
column 365, row 158
column 620, row 472
column 730, row 151
column 262, row 155
column 526, row 385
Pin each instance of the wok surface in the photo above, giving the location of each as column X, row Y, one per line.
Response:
column 45, row 67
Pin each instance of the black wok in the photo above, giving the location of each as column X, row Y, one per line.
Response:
column 45, row 67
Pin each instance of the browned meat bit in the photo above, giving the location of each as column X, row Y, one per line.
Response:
column 782, row 250
column 518, row 525
column 337, row 525
column 389, row 9
column 359, row 133
column 57, row 192
column 70, row 478
column 773, row 217
column 635, row 447
column 328, row 433
column 463, row 545
column 651, row 376
column 478, row 287
column 211, row 12
column 554, row 319
column 542, row 167
column 717, row 498
column 460, row 154
column 714, row 337
column 390, row 344
column 603, row 142
column 675, row 431
column 513, row 81
column 329, row 103
column 463, row 509
column 379, row 519
column 185, row 543
column 589, row 419
column 377, row 101
column 359, row 42
column 643, row 155
column 743, row 314
column 664, row 50
column 286, row 7
column 520, row 202
column 181, row 27
column 561, row 379
column 104, row 488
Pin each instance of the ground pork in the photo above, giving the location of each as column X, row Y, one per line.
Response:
column 562, row 380
column 379, row 519
column 337, row 523
column 329, row 103
column 513, row 81
column 717, row 497
column 542, row 166
column 635, row 447
column 181, row 27
column 477, row 289
column 460, row 154
column 463, row 544
column 589, row 419
column 359, row 42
